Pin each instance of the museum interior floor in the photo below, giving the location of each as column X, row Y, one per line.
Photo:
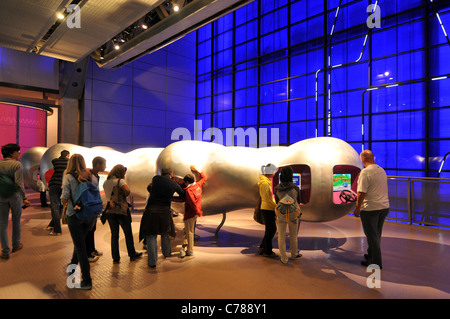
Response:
column 416, row 263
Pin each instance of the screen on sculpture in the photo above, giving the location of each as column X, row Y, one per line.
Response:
column 296, row 179
column 341, row 182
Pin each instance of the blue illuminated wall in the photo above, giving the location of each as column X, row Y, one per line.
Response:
column 139, row 104
column 257, row 66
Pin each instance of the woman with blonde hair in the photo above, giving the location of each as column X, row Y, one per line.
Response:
column 76, row 173
column 122, row 217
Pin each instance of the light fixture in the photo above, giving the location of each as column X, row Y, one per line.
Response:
column 176, row 8
column 60, row 16
column 144, row 26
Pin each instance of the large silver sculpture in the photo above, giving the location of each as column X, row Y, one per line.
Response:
column 233, row 172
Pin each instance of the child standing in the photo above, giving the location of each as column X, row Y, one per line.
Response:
column 192, row 208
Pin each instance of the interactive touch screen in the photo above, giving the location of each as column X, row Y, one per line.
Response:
column 341, row 182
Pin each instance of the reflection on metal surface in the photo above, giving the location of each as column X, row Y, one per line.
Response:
column 233, row 172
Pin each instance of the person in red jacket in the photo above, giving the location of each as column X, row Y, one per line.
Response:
column 192, row 208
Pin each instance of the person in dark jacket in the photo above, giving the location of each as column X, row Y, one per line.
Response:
column 55, row 191
column 157, row 219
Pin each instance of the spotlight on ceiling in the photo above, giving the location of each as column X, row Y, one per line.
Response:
column 60, row 16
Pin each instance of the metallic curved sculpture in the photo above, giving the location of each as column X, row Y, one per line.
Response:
column 233, row 172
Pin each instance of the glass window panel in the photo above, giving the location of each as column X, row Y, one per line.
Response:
column 384, row 42
column 314, row 27
column 411, row 96
column 436, row 35
column 298, row 11
column 439, row 93
column 204, row 33
column 267, row 93
column 384, row 71
column 266, row 114
column 355, row 14
column 354, row 128
column 411, row 125
column 280, row 112
column 439, row 127
column 384, row 126
column 312, row 111
column 411, row 155
column 297, row 132
column 298, row 110
column 357, row 76
column 315, row 60
column 298, row 87
column 355, row 103
column 411, row 35
column 298, row 33
column 385, row 154
column 298, row 64
column 411, row 66
column 439, row 56
column 204, row 105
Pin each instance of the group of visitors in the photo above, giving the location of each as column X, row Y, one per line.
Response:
column 279, row 209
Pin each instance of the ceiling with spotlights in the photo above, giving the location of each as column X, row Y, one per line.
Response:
column 72, row 30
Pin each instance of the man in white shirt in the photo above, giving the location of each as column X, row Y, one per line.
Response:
column 372, row 205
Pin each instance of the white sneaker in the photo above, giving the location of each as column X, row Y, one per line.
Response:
column 182, row 253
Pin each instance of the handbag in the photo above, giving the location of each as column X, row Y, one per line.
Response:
column 257, row 214
column 117, row 203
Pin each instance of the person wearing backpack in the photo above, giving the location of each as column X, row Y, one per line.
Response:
column 12, row 196
column 75, row 174
column 287, row 197
column 116, row 191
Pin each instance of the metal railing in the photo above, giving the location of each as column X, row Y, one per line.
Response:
column 419, row 200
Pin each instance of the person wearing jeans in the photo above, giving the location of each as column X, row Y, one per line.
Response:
column 116, row 178
column 152, row 248
column 76, row 172
column 78, row 231
column 157, row 219
column 11, row 168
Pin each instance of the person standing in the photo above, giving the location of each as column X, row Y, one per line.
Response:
column 290, row 193
column 54, row 190
column 372, row 205
column 98, row 165
column 116, row 177
column 192, row 207
column 42, row 191
column 157, row 219
column 75, row 174
column 12, row 169
column 267, row 209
